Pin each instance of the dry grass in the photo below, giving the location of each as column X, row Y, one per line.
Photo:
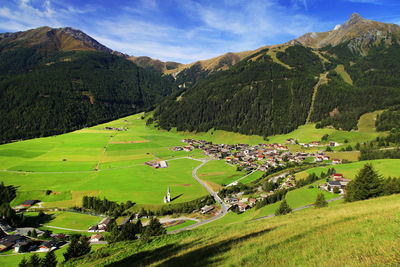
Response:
column 354, row 234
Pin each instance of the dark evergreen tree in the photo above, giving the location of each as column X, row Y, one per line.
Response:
column 283, row 208
column 366, row 184
column 79, row 246
column 153, row 229
column 320, row 202
column 23, row 263
column 50, row 260
column 34, row 261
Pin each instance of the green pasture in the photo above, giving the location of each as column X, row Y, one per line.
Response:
column 66, row 163
column 254, row 176
column 342, row 72
column 386, row 167
column 63, row 219
column 219, row 172
column 140, row 183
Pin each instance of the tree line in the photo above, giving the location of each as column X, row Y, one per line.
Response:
column 105, row 206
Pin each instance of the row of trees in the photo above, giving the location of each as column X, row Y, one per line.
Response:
column 131, row 231
column 50, row 260
column 278, row 195
column 105, row 206
column 185, row 207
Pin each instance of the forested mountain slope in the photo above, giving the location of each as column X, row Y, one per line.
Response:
column 57, row 80
column 256, row 96
column 272, row 91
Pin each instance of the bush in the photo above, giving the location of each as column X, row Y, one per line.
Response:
column 336, row 190
column 320, row 202
column 283, row 208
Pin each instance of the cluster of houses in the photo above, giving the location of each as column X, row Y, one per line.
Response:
column 312, row 144
column 242, row 203
column 338, row 181
column 252, row 157
column 115, row 129
column 320, row 156
column 157, row 164
column 101, row 226
column 22, row 243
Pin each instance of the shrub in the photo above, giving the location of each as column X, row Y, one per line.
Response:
column 320, row 202
column 283, row 208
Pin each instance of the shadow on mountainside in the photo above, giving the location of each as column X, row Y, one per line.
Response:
column 201, row 256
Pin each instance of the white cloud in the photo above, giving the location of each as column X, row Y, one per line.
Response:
column 206, row 29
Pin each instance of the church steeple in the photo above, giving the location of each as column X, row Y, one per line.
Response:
column 169, row 195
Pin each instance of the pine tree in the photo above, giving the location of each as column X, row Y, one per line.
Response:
column 283, row 208
column 367, row 184
column 50, row 260
column 34, row 261
column 79, row 246
column 23, row 263
column 320, row 202
column 153, row 229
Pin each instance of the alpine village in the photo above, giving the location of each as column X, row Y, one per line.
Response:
column 284, row 155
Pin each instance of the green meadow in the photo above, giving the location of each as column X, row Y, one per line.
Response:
column 219, row 172
column 109, row 163
column 385, row 167
column 62, row 219
column 65, row 164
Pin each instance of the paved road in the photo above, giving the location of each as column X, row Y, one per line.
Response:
column 61, row 228
column 233, row 183
column 224, row 207
column 296, row 209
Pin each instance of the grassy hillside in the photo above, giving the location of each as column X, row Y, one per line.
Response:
column 66, row 163
column 323, row 237
column 386, row 167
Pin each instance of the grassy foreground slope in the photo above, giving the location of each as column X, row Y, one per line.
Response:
column 354, row 234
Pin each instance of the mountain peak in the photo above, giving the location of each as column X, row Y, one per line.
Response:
column 355, row 18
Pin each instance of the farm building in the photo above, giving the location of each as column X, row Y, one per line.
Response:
column 48, row 246
column 206, row 209
column 96, row 238
column 28, row 203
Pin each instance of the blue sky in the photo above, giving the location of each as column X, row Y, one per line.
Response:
column 190, row 30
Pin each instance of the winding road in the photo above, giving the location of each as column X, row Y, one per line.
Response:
column 224, row 207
